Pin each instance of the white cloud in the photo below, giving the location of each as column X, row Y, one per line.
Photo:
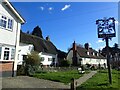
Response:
column 99, row 41
column 65, row 7
column 42, row 8
column 50, row 8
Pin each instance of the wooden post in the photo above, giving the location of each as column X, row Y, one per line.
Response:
column 108, row 61
column 72, row 84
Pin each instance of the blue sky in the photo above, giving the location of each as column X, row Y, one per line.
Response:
column 65, row 22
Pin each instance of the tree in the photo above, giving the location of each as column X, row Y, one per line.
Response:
column 115, row 45
column 64, row 63
column 37, row 32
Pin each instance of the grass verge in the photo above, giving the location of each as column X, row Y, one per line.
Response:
column 64, row 77
column 100, row 81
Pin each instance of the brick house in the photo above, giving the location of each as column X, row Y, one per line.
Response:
column 10, row 25
column 80, row 55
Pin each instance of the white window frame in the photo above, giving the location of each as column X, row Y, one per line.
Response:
column 6, row 50
column 10, row 54
column 88, row 53
column 0, row 52
column 9, row 28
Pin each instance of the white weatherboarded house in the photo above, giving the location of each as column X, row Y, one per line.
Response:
column 10, row 24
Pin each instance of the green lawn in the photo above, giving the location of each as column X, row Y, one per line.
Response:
column 64, row 77
column 100, row 81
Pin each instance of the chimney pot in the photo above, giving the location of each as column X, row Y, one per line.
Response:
column 48, row 38
column 86, row 46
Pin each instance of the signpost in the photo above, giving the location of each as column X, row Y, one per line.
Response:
column 106, row 30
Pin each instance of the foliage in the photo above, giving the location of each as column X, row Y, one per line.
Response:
column 64, row 63
column 20, row 70
column 32, row 63
column 64, row 77
column 100, row 80
column 37, row 32
column 61, row 54
column 33, row 59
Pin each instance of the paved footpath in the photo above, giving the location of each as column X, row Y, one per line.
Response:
column 30, row 82
column 84, row 78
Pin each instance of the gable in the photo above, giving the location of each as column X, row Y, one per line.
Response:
column 7, row 8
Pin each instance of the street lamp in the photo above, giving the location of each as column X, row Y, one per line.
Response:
column 106, row 30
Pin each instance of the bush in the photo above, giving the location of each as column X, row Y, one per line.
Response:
column 64, row 63
column 33, row 59
column 20, row 70
column 32, row 63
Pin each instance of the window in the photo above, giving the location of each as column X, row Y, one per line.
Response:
column 3, row 21
column 24, row 57
column 12, row 54
column 42, row 58
column 0, row 51
column 6, row 22
column 6, row 54
column 10, row 23
column 93, row 53
column 50, row 59
column 97, row 54
column 87, row 53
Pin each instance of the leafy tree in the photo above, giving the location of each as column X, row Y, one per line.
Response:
column 37, row 32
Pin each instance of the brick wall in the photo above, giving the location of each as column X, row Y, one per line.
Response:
column 6, row 68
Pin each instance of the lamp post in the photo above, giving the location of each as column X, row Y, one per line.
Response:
column 106, row 30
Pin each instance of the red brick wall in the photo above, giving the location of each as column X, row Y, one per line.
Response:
column 6, row 66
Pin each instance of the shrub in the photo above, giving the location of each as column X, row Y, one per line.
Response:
column 64, row 63
column 32, row 63
column 33, row 59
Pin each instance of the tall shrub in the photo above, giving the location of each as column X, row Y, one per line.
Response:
column 32, row 63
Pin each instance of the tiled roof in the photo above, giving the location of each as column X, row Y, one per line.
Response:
column 83, row 53
column 40, row 44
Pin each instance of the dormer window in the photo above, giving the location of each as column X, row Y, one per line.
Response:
column 93, row 53
column 97, row 54
column 88, row 53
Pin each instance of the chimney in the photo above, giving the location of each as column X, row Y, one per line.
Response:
column 86, row 46
column 99, row 51
column 74, row 46
column 74, row 58
column 48, row 38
